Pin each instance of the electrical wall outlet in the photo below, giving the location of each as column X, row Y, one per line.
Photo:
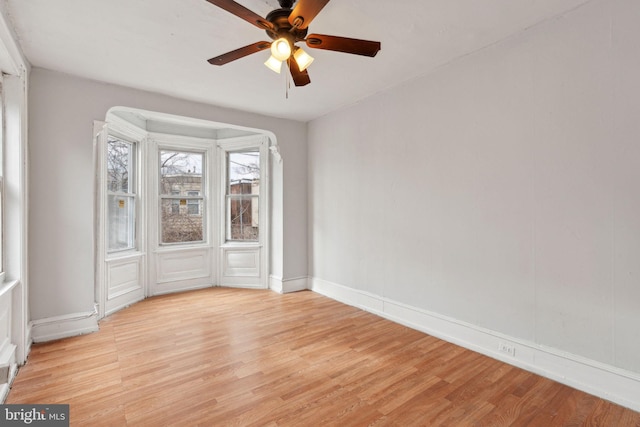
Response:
column 503, row 347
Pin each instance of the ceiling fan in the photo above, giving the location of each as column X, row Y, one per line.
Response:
column 286, row 27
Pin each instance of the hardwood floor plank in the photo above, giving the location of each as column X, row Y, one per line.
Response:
column 233, row 357
column 551, row 413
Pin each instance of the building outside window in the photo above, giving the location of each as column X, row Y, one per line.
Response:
column 193, row 205
column 181, row 197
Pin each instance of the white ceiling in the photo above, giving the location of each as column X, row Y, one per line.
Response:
column 163, row 46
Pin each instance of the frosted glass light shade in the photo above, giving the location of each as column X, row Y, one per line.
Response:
column 274, row 64
column 303, row 59
column 281, row 49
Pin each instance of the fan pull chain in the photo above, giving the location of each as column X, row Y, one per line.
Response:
column 287, row 85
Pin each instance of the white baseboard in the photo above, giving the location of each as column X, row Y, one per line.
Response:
column 9, row 368
column 53, row 328
column 275, row 284
column 283, row 286
column 596, row 378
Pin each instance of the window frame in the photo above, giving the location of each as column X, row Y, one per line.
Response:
column 230, row 197
column 250, row 144
column 202, row 198
column 132, row 195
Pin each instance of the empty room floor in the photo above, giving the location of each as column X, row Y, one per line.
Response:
column 233, row 357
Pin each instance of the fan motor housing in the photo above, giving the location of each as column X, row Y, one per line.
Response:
column 286, row 4
column 282, row 27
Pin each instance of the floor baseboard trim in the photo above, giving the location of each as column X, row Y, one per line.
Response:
column 284, row 286
column 8, row 368
column 53, row 328
column 596, row 378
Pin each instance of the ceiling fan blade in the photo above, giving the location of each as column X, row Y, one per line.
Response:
column 343, row 44
column 300, row 78
column 242, row 12
column 225, row 58
column 305, row 11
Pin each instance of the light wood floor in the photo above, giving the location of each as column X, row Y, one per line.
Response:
column 221, row 357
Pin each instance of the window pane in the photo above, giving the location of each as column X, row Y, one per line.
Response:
column 180, row 172
column 244, row 170
column 181, row 226
column 121, row 206
column 243, row 190
column 243, row 216
column 119, row 165
column 175, row 204
column 181, row 218
column 193, row 205
column 120, row 223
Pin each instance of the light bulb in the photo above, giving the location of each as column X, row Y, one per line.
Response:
column 274, row 64
column 281, row 49
column 303, row 59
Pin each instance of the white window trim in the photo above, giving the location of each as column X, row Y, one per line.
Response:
column 135, row 195
column 16, row 196
column 137, row 138
column 160, row 142
column 243, row 144
column 148, row 231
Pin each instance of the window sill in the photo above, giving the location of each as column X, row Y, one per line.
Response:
column 182, row 247
column 123, row 255
column 6, row 287
column 235, row 245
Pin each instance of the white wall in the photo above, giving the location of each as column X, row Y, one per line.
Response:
column 62, row 110
column 500, row 192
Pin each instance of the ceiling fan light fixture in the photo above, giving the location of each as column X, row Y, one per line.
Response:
column 281, row 49
column 303, row 59
column 286, row 27
column 274, row 64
